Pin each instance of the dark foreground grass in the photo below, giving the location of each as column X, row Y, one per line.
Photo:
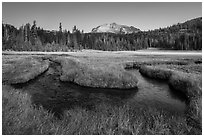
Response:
column 189, row 84
column 21, row 117
column 23, row 69
column 103, row 76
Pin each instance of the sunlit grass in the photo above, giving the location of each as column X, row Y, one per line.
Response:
column 22, row 70
column 107, row 76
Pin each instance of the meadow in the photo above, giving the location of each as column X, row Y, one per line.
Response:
column 99, row 69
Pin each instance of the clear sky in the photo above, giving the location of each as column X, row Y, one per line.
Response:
column 145, row 16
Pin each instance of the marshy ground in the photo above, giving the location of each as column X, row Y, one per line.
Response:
column 89, row 92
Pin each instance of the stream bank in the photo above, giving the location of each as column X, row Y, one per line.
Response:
column 57, row 96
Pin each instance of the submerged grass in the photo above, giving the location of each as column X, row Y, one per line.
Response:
column 21, row 117
column 107, row 76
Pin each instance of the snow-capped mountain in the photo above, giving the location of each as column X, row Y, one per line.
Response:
column 115, row 28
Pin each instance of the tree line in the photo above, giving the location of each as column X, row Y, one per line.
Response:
column 184, row 36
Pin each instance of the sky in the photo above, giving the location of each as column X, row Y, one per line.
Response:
column 86, row 16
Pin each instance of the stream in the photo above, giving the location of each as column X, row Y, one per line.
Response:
column 157, row 93
column 47, row 90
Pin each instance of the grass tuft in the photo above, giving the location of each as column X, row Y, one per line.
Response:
column 108, row 76
column 23, row 70
column 155, row 72
column 189, row 84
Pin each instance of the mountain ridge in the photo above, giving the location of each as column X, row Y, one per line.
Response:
column 115, row 28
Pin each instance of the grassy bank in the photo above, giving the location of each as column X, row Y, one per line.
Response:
column 189, row 84
column 155, row 72
column 20, row 117
column 21, row 70
column 107, row 76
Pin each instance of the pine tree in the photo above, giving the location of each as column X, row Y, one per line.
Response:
column 60, row 27
column 33, row 33
column 60, row 35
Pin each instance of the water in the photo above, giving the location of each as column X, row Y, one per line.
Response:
column 47, row 90
column 157, row 94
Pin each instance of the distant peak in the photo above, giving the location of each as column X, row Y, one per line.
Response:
column 115, row 28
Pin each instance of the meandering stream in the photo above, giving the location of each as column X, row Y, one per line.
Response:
column 47, row 90
column 157, row 93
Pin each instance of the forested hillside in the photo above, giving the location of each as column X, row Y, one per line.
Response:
column 182, row 36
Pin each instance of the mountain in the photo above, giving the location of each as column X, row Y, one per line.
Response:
column 115, row 28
